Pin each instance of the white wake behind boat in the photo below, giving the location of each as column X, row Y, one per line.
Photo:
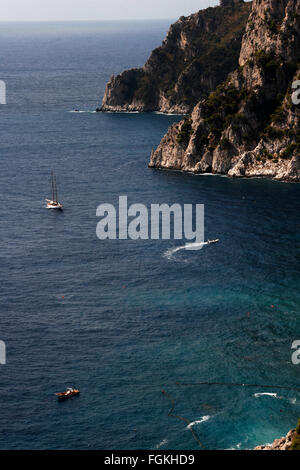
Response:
column 53, row 203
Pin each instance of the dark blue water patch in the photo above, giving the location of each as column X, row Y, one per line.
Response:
column 66, row 65
column 124, row 320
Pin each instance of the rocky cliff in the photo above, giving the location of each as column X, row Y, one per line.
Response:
column 197, row 55
column 249, row 125
column 290, row 442
column 285, row 443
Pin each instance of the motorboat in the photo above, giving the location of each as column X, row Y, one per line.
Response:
column 70, row 392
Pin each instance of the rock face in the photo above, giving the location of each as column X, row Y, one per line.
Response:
column 249, row 126
column 198, row 53
column 280, row 444
column 229, row 3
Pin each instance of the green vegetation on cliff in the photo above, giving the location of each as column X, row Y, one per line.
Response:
column 296, row 441
column 197, row 54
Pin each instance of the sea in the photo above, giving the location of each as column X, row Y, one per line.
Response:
column 160, row 340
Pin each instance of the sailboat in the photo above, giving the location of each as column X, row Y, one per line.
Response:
column 54, row 204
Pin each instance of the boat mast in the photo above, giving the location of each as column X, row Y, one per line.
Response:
column 54, row 187
column 52, row 183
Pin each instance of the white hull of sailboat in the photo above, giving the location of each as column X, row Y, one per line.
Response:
column 53, row 205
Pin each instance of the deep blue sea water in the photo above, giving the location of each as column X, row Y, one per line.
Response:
column 124, row 320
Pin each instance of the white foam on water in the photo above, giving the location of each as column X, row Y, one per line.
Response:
column 169, row 114
column 198, row 421
column 122, row 112
column 162, row 443
column 80, row 112
column 211, row 174
column 188, row 246
column 290, row 400
column 273, row 395
column 237, row 447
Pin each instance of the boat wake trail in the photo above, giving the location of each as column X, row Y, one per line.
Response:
column 169, row 254
column 77, row 111
column 162, row 443
column 185, row 420
column 197, row 421
column 273, row 395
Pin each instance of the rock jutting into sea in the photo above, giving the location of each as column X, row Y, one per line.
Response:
column 290, row 442
column 249, row 125
column 197, row 54
column 285, row 443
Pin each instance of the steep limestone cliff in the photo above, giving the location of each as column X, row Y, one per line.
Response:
column 249, row 125
column 197, row 54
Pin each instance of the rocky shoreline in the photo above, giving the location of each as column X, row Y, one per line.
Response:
column 244, row 125
column 249, row 126
column 285, row 443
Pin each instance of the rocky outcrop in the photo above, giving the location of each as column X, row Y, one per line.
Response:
column 198, row 53
column 249, row 126
column 229, row 3
column 285, row 443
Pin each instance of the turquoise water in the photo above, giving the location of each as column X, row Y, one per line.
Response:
column 124, row 320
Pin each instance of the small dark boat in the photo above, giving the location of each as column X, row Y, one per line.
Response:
column 70, row 392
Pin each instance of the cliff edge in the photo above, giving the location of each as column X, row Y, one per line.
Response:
column 290, row 442
column 285, row 443
column 249, row 125
column 197, row 54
